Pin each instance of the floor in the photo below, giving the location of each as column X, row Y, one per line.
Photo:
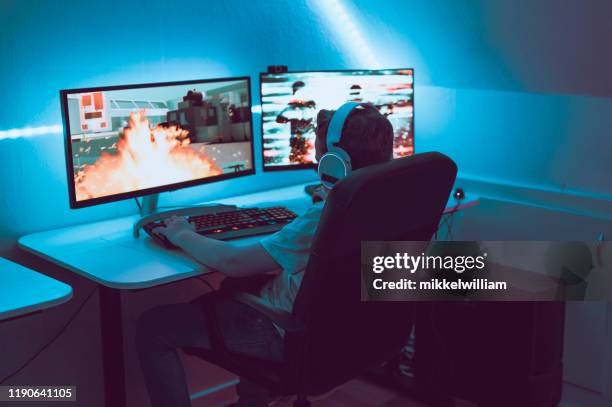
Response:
column 362, row 393
column 356, row 393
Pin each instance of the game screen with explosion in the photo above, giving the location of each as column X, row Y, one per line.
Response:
column 138, row 138
column 290, row 103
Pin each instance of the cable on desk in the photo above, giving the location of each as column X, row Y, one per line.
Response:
column 50, row 342
column 138, row 204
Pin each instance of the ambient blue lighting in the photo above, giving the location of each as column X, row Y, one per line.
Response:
column 343, row 26
column 30, row 131
column 336, row 17
column 57, row 128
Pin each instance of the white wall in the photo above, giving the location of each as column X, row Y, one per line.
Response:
column 551, row 142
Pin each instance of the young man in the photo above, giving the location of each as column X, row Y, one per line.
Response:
column 367, row 136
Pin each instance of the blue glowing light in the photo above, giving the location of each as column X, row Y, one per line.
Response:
column 30, row 131
column 57, row 128
column 339, row 20
column 336, row 17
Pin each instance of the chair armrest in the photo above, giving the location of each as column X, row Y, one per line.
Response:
column 283, row 319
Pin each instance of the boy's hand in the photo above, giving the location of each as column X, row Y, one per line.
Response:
column 175, row 228
column 319, row 194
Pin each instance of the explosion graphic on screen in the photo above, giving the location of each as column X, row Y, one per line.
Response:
column 146, row 157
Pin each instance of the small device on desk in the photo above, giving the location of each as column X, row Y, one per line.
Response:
column 229, row 222
column 314, row 191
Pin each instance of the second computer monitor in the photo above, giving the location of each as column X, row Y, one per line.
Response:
column 290, row 102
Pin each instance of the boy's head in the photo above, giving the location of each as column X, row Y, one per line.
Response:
column 367, row 137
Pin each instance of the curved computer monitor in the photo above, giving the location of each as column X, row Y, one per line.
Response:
column 135, row 140
column 290, row 102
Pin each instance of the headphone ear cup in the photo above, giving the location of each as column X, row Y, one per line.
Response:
column 334, row 166
column 336, row 163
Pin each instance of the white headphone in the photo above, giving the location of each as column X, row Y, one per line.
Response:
column 336, row 163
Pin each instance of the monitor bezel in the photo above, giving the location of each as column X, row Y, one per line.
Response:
column 286, row 167
column 74, row 204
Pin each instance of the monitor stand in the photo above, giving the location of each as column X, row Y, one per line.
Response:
column 149, row 204
column 150, row 212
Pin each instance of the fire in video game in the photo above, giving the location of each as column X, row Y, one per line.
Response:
column 291, row 101
column 146, row 156
column 140, row 138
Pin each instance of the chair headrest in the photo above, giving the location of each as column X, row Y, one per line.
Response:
column 405, row 174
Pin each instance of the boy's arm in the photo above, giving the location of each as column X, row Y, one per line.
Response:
column 233, row 261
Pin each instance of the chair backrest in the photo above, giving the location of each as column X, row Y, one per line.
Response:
column 400, row 200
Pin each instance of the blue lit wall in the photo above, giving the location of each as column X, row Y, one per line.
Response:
column 515, row 91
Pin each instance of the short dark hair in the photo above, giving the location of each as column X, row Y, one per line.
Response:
column 367, row 136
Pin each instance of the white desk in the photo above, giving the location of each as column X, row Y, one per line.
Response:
column 24, row 291
column 106, row 252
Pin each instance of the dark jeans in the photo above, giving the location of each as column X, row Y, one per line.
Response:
column 163, row 330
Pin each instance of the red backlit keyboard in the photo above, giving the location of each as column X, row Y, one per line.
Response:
column 232, row 224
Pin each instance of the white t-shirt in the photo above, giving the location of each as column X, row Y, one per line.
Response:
column 290, row 248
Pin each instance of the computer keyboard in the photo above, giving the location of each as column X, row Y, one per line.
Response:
column 231, row 224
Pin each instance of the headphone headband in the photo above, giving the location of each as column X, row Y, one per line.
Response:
column 334, row 130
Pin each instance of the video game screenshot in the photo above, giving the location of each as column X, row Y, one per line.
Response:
column 143, row 137
column 290, row 103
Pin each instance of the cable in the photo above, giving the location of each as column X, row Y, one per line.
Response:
column 206, row 283
column 139, row 205
column 50, row 342
column 447, row 221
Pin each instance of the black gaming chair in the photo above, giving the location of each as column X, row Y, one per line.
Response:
column 331, row 336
